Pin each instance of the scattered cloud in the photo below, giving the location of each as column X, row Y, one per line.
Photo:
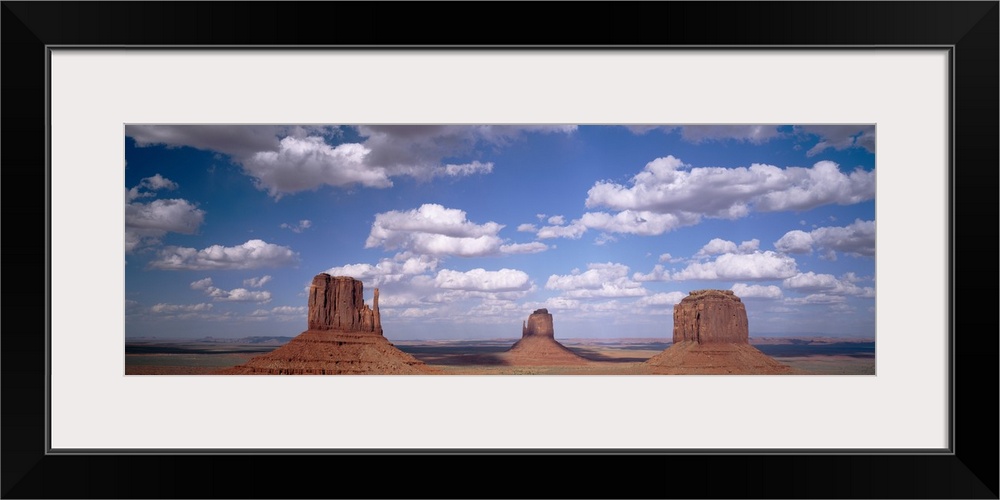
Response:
column 604, row 238
column 162, row 216
column 754, row 134
column 238, row 142
column 766, row 265
column 839, row 137
column 856, row 239
column 302, row 225
column 599, row 280
column 668, row 187
column 817, row 299
column 201, row 284
column 659, row 273
column 527, row 228
column 147, row 223
column 179, row 308
column 720, row 246
column 147, row 187
column 235, row 295
column 238, row 295
column 745, row 291
column 662, row 299
column 288, row 159
column 253, row 254
column 464, row 169
column 643, row 222
column 434, row 230
column 522, row 248
column 309, row 163
column 481, row 280
column 573, row 231
column 257, row 282
column 826, row 284
column 387, row 270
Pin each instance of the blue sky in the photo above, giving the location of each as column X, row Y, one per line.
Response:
column 466, row 229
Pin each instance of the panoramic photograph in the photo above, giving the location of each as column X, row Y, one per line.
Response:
column 468, row 249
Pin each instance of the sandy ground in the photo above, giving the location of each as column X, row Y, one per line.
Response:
column 486, row 358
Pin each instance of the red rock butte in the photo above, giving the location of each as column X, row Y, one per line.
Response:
column 711, row 317
column 538, row 346
column 344, row 336
column 711, row 336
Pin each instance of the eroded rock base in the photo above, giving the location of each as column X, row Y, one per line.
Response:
column 691, row 358
column 330, row 352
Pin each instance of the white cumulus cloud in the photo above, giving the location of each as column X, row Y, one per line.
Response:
column 504, row 280
column 599, row 280
column 668, row 186
column 746, row 291
column 641, row 222
column 387, row 270
column 150, row 184
column 162, row 216
column 434, row 230
column 659, row 273
column 179, row 308
column 257, row 282
column 147, row 223
column 250, row 255
column 288, row 159
column 856, row 239
column 573, row 231
column 238, row 295
column 522, row 248
column 720, row 246
column 827, row 284
column 201, row 284
column 766, row 265
column 662, row 299
column 308, row 163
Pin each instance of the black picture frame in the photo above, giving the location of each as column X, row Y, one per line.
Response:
column 970, row 470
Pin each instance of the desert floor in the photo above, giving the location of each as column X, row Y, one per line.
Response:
column 814, row 356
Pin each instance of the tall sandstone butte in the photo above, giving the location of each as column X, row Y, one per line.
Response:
column 712, row 336
column 344, row 337
column 539, row 324
column 538, row 346
column 337, row 303
column 711, row 316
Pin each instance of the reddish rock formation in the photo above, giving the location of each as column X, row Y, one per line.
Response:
column 711, row 316
column 538, row 346
column 337, row 303
column 538, row 324
column 711, row 336
column 344, row 337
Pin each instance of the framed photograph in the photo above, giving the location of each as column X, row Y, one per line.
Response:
column 820, row 169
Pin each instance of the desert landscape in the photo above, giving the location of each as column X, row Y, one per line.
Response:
column 345, row 337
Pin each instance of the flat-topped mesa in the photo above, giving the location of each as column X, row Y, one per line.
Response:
column 539, row 324
column 337, row 303
column 711, row 317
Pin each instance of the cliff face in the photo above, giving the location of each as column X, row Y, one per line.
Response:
column 344, row 338
column 538, row 345
column 712, row 337
column 337, row 303
column 711, row 316
column 539, row 324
